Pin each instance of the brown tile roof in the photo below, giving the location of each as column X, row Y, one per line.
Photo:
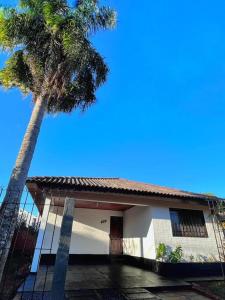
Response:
column 113, row 185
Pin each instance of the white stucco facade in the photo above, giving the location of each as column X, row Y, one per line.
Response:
column 144, row 227
column 202, row 249
column 138, row 232
column 90, row 233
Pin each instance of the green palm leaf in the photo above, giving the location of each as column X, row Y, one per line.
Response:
column 51, row 50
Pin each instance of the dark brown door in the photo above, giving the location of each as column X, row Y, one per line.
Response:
column 116, row 235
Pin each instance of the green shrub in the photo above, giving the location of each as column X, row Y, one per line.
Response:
column 161, row 252
column 176, row 255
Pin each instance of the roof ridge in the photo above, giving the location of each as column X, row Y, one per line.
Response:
column 114, row 184
column 83, row 177
column 163, row 186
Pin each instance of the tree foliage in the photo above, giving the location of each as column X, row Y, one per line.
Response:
column 51, row 51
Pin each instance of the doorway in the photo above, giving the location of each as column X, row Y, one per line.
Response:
column 116, row 235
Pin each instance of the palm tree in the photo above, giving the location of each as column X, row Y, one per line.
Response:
column 52, row 58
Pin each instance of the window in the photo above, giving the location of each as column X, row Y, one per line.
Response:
column 187, row 222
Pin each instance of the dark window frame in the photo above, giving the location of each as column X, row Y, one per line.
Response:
column 188, row 223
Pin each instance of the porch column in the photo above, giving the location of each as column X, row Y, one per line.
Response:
column 41, row 233
column 62, row 256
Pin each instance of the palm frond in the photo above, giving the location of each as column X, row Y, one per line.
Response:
column 52, row 53
column 17, row 73
column 94, row 18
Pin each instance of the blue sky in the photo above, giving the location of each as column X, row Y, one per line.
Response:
column 160, row 118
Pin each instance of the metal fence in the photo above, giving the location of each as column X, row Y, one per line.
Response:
column 21, row 252
column 28, row 273
column 217, row 212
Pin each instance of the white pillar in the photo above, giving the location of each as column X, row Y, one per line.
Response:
column 41, row 233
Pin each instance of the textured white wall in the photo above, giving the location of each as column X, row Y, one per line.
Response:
column 144, row 228
column 89, row 236
column 200, row 248
column 138, row 232
column 40, row 238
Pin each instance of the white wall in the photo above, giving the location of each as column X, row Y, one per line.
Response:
column 144, row 228
column 200, row 248
column 138, row 232
column 41, row 233
column 90, row 235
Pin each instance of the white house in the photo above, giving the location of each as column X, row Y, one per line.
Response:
column 114, row 216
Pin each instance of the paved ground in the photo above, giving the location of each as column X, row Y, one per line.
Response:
column 105, row 294
column 180, row 295
column 116, row 294
column 100, row 277
column 106, row 282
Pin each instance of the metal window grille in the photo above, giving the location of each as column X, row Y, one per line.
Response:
column 188, row 223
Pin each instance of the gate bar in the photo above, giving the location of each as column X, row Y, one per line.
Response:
column 62, row 256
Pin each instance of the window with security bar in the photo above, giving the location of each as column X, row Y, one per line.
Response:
column 188, row 223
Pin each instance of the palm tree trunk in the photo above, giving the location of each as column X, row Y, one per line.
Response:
column 10, row 206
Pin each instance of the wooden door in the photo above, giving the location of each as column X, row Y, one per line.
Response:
column 116, row 235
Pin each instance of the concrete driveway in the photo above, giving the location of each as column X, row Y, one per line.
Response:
column 100, row 277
